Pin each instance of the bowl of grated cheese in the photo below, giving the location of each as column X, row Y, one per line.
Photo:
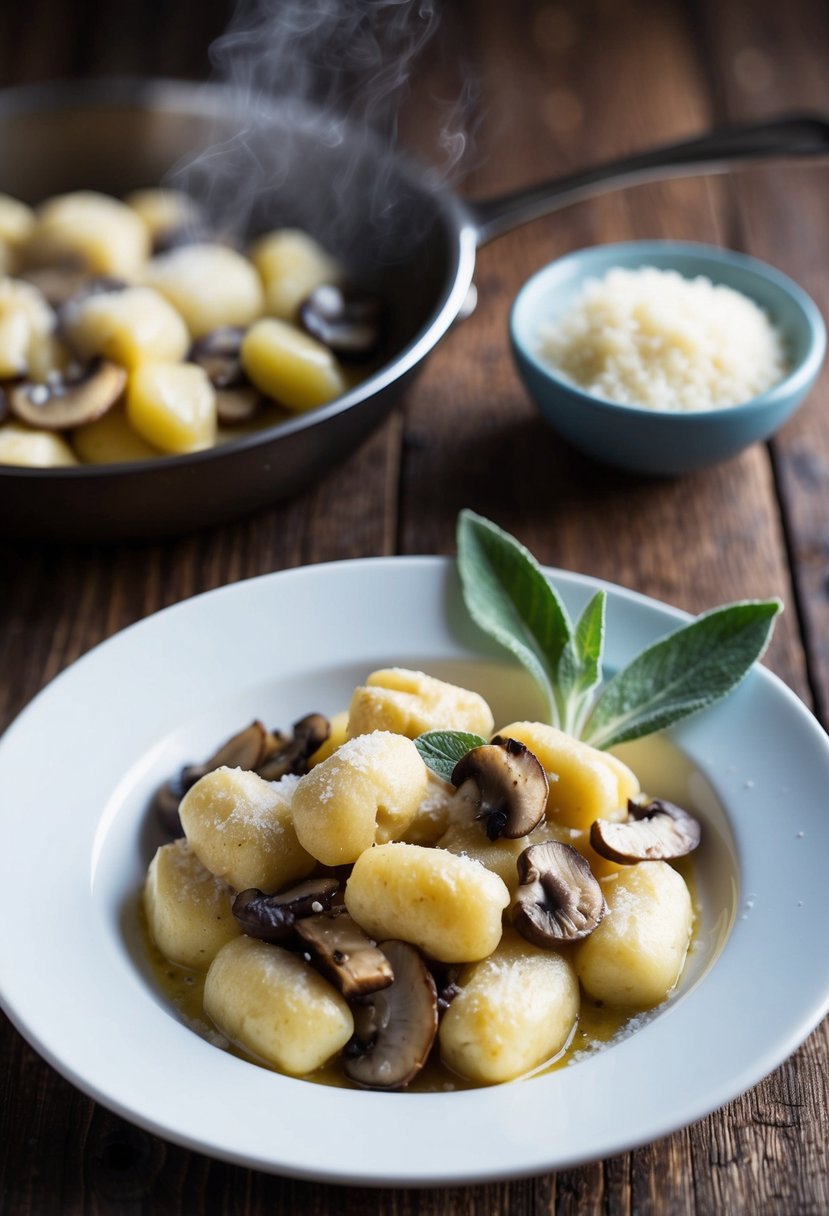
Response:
column 662, row 357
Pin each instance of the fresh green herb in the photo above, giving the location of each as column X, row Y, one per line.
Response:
column 580, row 664
column 510, row 598
column 508, row 595
column 441, row 750
column 683, row 673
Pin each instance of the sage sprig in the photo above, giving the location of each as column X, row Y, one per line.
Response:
column 683, row 673
column 510, row 598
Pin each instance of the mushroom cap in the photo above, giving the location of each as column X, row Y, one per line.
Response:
column 270, row 754
column 272, row 918
column 558, row 899
column 654, row 831
column 291, row 753
column 344, row 953
column 349, row 325
column 63, row 405
column 219, row 354
column 511, row 786
column 394, row 1028
column 246, row 749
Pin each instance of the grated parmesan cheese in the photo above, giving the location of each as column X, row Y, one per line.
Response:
column 652, row 338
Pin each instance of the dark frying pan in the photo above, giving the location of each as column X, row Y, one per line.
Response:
column 398, row 232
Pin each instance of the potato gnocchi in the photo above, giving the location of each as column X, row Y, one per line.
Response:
column 342, row 914
column 217, row 342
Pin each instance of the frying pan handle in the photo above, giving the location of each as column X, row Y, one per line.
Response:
column 715, row 152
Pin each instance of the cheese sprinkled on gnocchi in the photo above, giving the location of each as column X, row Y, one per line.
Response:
column 339, row 912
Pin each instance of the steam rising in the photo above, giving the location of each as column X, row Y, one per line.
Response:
column 341, row 69
column 351, row 58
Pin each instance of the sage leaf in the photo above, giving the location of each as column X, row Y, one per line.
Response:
column 580, row 665
column 440, row 750
column 683, row 673
column 510, row 598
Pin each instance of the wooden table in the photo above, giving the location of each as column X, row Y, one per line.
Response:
column 560, row 85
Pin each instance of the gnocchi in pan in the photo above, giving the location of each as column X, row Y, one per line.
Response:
column 128, row 331
column 336, row 911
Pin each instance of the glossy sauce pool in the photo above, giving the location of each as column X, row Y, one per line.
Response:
column 664, row 772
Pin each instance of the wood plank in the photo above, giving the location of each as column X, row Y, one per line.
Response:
column 469, row 425
column 470, row 429
column 762, row 63
column 566, row 84
column 60, row 601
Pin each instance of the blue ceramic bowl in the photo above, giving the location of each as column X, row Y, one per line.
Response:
column 651, row 441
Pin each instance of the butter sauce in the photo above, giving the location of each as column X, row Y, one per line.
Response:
column 660, row 766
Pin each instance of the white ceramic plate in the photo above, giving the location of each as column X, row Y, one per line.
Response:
column 78, row 767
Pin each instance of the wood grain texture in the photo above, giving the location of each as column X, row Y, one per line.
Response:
column 759, row 67
column 558, row 85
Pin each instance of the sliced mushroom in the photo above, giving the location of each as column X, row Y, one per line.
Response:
column 506, row 783
column 559, row 899
column 270, row 754
column 61, row 404
column 345, row 955
column 655, row 831
column 272, row 917
column 238, row 405
column 394, row 1029
column 291, row 753
column 218, row 353
column 246, row 749
column 348, row 325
